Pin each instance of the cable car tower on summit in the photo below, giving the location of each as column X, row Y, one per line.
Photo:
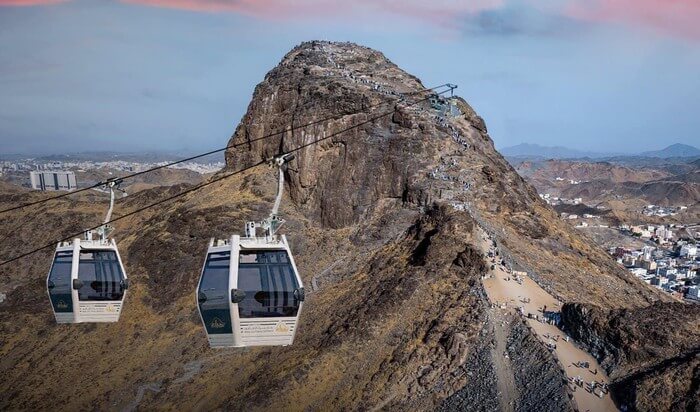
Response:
column 250, row 292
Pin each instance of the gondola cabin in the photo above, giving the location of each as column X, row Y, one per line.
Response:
column 250, row 293
column 87, row 282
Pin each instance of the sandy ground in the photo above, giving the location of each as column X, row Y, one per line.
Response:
column 508, row 295
column 506, row 380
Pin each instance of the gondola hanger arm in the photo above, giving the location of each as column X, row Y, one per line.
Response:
column 273, row 222
column 110, row 184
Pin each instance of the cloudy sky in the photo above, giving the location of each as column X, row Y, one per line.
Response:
column 131, row 75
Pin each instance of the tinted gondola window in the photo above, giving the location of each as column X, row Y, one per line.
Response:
column 214, row 294
column 101, row 275
column 59, row 283
column 269, row 281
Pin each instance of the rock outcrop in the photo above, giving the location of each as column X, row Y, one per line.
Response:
column 629, row 340
column 643, row 351
column 673, row 385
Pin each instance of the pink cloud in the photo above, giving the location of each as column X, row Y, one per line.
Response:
column 236, row 6
column 679, row 18
column 20, row 3
column 437, row 11
column 445, row 12
column 675, row 17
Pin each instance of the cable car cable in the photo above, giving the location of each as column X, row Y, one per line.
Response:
column 132, row 175
column 201, row 185
column 192, row 189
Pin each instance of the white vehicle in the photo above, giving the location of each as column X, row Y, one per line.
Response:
column 87, row 281
column 250, row 292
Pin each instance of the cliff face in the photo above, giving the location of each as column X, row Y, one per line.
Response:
column 382, row 222
column 343, row 178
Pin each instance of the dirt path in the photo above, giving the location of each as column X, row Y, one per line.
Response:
column 504, row 372
column 527, row 297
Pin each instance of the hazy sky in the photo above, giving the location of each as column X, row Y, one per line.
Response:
column 613, row 75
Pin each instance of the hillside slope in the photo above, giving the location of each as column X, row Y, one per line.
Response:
column 382, row 222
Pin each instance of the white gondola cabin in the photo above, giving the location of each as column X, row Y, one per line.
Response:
column 250, row 292
column 87, row 281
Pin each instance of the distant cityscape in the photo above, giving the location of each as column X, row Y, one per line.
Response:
column 60, row 175
column 670, row 261
column 671, row 266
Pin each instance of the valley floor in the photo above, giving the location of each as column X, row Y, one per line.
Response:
column 508, row 296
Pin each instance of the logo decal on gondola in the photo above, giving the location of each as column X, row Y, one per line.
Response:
column 61, row 305
column 217, row 323
column 110, row 308
column 281, row 327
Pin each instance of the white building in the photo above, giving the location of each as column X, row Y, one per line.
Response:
column 662, row 232
column 46, row 180
column 659, row 281
column 685, row 273
column 693, row 293
column 647, row 251
column 666, row 271
column 689, row 250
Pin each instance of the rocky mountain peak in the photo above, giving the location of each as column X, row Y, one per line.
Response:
column 403, row 163
column 335, row 55
column 338, row 180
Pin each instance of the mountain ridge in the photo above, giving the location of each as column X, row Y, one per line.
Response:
column 540, row 152
column 553, row 152
column 674, row 150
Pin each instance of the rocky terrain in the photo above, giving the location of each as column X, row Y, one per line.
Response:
column 382, row 221
column 622, row 188
column 537, row 379
column 644, row 349
column 642, row 390
column 588, row 171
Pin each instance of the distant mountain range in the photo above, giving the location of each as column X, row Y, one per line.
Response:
column 550, row 152
column 560, row 152
column 674, row 150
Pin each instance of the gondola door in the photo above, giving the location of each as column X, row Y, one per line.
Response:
column 60, row 286
column 213, row 297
